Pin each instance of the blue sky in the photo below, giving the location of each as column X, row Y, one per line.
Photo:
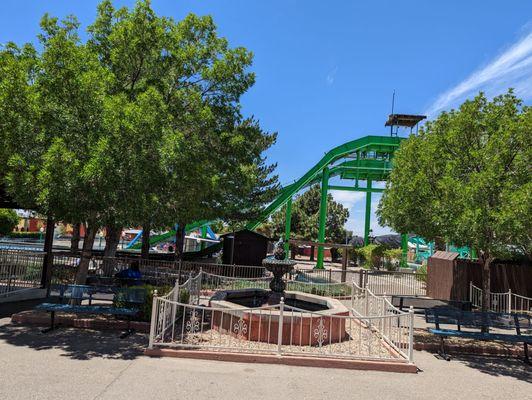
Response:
column 326, row 70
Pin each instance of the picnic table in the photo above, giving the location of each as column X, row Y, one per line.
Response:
column 128, row 303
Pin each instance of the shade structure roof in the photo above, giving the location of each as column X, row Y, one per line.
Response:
column 407, row 120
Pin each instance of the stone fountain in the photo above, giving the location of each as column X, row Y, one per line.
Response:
column 317, row 320
column 278, row 265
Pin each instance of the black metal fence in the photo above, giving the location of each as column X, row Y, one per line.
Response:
column 102, row 271
column 19, row 271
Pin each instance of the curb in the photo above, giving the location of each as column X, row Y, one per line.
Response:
column 42, row 319
column 470, row 349
column 367, row 365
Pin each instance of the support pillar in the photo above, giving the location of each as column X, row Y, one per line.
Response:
column 404, row 250
column 287, row 228
column 367, row 221
column 323, row 216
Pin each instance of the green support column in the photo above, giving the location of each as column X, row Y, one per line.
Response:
column 323, row 216
column 367, row 222
column 203, row 236
column 404, row 250
column 288, row 223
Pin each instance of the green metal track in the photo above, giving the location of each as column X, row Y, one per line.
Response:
column 374, row 169
column 170, row 234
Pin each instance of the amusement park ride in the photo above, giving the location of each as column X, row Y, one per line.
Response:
column 364, row 163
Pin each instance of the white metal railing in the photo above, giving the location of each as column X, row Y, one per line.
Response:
column 507, row 302
column 19, row 272
column 367, row 305
column 181, row 322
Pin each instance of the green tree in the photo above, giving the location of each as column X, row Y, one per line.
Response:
column 8, row 221
column 52, row 168
column 305, row 218
column 139, row 125
column 467, row 178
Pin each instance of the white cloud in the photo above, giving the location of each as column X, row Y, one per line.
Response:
column 355, row 202
column 512, row 68
column 347, row 198
column 331, row 76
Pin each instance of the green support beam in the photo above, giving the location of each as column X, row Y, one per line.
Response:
column 359, row 146
column 355, row 189
column 367, row 220
column 288, row 223
column 323, row 216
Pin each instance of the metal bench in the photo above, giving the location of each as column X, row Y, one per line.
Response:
column 422, row 303
column 476, row 325
column 128, row 303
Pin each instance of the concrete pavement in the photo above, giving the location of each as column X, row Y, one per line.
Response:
column 83, row 364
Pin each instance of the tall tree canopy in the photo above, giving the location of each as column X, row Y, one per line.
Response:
column 467, row 178
column 139, row 124
column 305, row 218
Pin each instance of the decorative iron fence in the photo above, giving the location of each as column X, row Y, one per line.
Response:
column 367, row 304
column 19, row 271
column 507, row 302
column 278, row 329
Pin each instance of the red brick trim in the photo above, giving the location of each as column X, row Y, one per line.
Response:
column 471, row 349
column 43, row 319
column 318, row 362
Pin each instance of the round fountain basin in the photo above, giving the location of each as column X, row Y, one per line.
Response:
column 317, row 325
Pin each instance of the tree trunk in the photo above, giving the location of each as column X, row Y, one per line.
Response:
column 293, row 252
column 179, row 241
column 112, row 239
column 311, row 253
column 486, row 260
column 86, row 253
column 145, row 249
column 334, row 254
column 74, row 242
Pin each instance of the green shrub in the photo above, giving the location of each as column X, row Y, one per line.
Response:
column 64, row 274
column 392, row 259
column 371, row 255
column 145, row 309
column 26, row 235
column 8, row 221
column 421, row 273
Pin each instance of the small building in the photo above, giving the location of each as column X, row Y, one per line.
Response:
column 244, row 247
column 449, row 277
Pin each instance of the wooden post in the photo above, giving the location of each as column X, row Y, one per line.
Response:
column 344, row 264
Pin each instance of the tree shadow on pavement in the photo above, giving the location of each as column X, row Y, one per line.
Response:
column 79, row 344
column 497, row 365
